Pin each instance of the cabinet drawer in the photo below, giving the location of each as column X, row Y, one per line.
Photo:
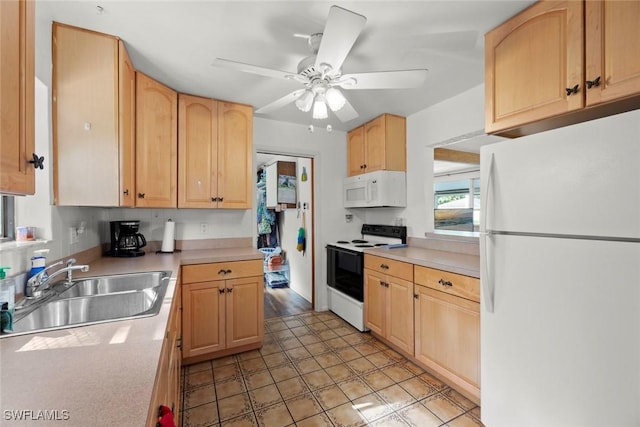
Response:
column 402, row 270
column 452, row 283
column 221, row 270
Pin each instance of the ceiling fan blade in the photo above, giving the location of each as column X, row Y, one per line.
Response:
column 279, row 103
column 254, row 69
column 402, row 79
column 346, row 113
column 340, row 33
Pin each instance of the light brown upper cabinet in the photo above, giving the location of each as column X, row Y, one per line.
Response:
column 156, row 144
column 378, row 145
column 215, row 141
column 93, row 119
column 17, row 83
column 539, row 74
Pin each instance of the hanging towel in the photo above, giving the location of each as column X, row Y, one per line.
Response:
column 165, row 417
column 302, row 241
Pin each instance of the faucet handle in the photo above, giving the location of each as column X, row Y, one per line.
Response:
column 49, row 267
column 70, row 262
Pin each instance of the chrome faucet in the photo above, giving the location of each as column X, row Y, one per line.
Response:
column 41, row 280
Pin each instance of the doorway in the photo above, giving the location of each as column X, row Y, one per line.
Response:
column 285, row 231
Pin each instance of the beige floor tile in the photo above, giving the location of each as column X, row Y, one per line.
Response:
column 246, row 420
column 417, row 388
column 230, row 387
column 196, row 367
column 442, row 407
column 258, row 379
column 198, row 379
column 337, row 343
column 318, row 327
column 275, row 359
column 377, row 380
column 264, row 396
column 366, row 349
column 395, row 355
column 392, row 420
column 292, row 387
column 326, row 316
column 275, row 325
column 417, row 415
column 459, row 399
column 327, row 334
column 297, row 353
column 274, row 416
column 476, row 412
column 307, row 365
column 397, row 373
column 396, row 397
column 354, row 339
column 317, row 348
column 309, row 339
column 234, row 406
column 293, row 323
column 290, row 343
column 227, row 360
column 270, row 348
column 330, row 397
column 355, row 388
column 345, row 330
column 251, row 354
column 346, row 416
column 284, row 334
column 380, row 360
column 226, row 372
column 251, row 366
column 203, row 415
column 361, row 365
column 199, row 396
column 301, row 331
column 465, row 420
column 412, row 367
column 317, row 379
column 372, row 407
column 347, row 354
column 303, row 406
column 340, row 372
column 318, row 420
column 433, row 382
column 283, row 372
column 328, row 359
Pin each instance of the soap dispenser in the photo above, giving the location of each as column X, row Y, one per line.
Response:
column 38, row 262
column 7, row 288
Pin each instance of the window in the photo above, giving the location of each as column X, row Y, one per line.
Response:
column 7, row 224
column 457, row 204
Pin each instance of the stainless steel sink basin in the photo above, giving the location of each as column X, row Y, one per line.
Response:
column 115, row 283
column 96, row 300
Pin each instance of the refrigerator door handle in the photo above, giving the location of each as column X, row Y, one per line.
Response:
column 485, row 272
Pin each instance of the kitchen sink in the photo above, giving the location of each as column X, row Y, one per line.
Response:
column 94, row 300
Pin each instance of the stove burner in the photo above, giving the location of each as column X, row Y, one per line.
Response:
column 359, row 241
column 342, row 241
column 381, row 244
column 363, row 246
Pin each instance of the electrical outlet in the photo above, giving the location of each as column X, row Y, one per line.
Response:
column 204, row 228
column 73, row 235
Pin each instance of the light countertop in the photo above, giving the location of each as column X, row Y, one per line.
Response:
column 77, row 376
column 465, row 264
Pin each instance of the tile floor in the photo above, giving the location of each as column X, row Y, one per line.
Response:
column 315, row 369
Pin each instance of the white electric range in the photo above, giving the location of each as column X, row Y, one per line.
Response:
column 345, row 269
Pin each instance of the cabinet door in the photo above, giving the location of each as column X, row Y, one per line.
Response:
column 355, row 151
column 17, row 61
column 203, row 318
column 399, row 322
column 127, row 129
column 375, row 138
column 612, row 49
column 175, row 358
column 235, row 156
column 245, row 311
column 198, row 151
column 448, row 336
column 375, row 309
column 85, row 117
column 156, row 144
column 530, row 61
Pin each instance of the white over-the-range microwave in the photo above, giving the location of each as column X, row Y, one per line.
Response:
column 375, row 189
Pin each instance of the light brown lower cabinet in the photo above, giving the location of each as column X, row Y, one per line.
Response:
column 167, row 390
column 223, row 309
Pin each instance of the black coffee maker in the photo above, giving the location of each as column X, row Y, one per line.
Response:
column 126, row 241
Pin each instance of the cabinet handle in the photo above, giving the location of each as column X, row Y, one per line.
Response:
column 141, row 195
column 126, row 192
column 592, row 83
column 37, row 162
column 445, row 282
column 222, row 272
column 229, row 290
column 221, row 291
column 214, row 199
column 572, row 90
column 221, row 199
column 381, row 283
column 228, row 272
column 361, row 166
column 415, row 296
column 384, row 266
column 386, row 285
column 364, row 166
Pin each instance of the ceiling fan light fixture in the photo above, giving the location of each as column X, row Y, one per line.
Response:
column 320, row 108
column 335, row 99
column 305, row 101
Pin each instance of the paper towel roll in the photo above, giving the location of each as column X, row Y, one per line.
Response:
column 168, row 239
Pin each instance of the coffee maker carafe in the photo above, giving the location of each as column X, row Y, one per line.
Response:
column 126, row 241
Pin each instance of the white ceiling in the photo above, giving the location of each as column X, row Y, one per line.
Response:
column 177, row 41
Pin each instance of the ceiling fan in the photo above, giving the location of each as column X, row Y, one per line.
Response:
column 321, row 73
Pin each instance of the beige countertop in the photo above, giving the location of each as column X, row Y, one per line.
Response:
column 106, row 372
column 468, row 265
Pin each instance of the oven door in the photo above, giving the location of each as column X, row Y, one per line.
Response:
column 345, row 271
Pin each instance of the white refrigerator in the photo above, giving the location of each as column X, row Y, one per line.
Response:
column 560, row 277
